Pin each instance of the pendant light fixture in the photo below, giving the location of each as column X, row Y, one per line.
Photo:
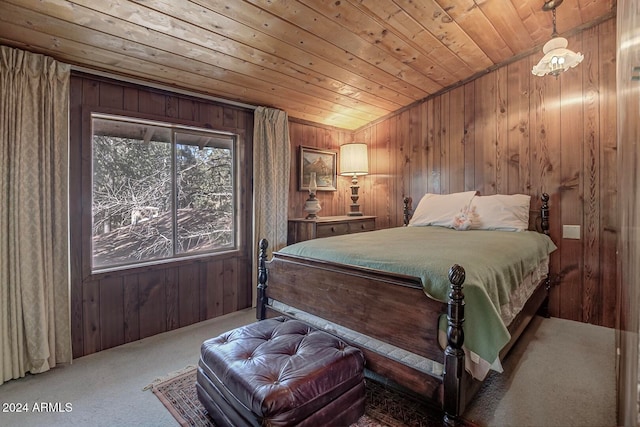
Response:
column 557, row 58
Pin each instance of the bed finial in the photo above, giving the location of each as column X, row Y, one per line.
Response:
column 261, row 305
column 406, row 201
column 544, row 213
column 454, row 354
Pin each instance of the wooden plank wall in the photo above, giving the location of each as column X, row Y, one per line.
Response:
column 507, row 132
column 115, row 308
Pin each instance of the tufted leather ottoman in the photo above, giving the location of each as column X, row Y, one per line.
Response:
column 280, row 372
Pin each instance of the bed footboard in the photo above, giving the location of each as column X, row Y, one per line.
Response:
column 410, row 318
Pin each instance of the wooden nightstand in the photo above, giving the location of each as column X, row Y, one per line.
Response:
column 300, row 229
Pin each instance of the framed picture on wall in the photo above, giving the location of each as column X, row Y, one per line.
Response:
column 323, row 163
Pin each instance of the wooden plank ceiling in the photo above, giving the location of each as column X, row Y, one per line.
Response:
column 342, row 63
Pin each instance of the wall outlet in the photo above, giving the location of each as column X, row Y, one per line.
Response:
column 571, row 232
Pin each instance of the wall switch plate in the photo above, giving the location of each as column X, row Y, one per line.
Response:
column 571, row 232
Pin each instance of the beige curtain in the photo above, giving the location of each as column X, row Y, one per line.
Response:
column 272, row 164
column 34, row 261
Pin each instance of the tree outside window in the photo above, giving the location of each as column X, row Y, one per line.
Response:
column 159, row 192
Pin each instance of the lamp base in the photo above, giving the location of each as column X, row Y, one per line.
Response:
column 354, row 211
column 312, row 207
column 354, row 208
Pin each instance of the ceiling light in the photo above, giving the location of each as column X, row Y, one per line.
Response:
column 557, row 58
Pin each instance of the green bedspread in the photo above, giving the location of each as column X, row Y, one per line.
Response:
column 495, row 263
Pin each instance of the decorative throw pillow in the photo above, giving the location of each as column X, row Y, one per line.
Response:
column 501, row 212
column 440, row 209
column 465, row 218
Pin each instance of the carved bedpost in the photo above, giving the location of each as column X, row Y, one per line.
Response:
column 261, row 305
column 453, row 400
column 406, row 210
column 544, row 213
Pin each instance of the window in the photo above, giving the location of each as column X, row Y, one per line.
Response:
column 159, row 192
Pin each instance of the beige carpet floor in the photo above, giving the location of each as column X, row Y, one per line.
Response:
column 560, row 374
column 105, row 389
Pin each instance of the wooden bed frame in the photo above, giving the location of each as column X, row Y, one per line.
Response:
column 394, row 309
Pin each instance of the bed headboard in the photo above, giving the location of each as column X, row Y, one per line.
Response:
column 538, row 217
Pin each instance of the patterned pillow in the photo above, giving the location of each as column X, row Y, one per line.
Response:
column 440, row 209
column 465, row 218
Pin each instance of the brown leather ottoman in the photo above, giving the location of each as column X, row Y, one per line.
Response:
column 280, row 372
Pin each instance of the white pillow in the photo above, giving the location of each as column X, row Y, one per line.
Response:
column 440, row 209
column 500, row 212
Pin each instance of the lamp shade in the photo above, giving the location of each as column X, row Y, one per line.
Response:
column 354, row 159
column 557, row 58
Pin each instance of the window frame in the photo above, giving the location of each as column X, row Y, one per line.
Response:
column 176, row 258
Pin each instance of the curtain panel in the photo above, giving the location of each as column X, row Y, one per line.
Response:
column 272, row 165
column 35, row 332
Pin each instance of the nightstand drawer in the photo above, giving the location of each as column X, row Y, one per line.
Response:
column 301, row 229
column 359, row 226
column 326, row 230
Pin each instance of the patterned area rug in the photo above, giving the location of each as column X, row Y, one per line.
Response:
column 385, row 406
